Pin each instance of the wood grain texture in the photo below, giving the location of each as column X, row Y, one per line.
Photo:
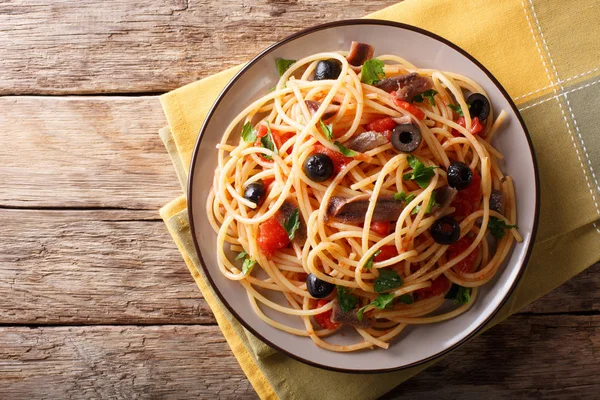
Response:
column 91, row 46
column 84, row 152
column 517, row 359
column 93, row 267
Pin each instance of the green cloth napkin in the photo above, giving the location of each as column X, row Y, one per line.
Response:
column 552, row 77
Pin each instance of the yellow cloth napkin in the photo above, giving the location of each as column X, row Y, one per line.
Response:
column 554, row 82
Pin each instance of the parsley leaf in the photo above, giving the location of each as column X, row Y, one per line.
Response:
column 345, row 151
column 346, row 300
column 372, row 71
column 498, row 227
column 388, row 279
column 267, row 142
column 241, row 255
column 421, row 174
column 247, row 265
column 402, row 196
column 381, row 302
column 326, row 129
column 460, row 295
column 248, row 134
column 292, row 223
column 369, row 264
column 283, row 65
column 430, row 204
column 456, row 109
column 406, row 299
column 428, row 94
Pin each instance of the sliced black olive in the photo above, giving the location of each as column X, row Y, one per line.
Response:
column 406, row 138
column 318, row 288
column 255, row 192
column 327, row 69
column 459, row 175
column 445, row 230
column 318, row 167
column 479, row 106
column 497, row 201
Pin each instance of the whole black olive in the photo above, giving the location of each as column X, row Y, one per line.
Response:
column 445, row 230
column 318, row 288
column 255, row 192
column 327, row 69
column 459, row 175
column 406, row 138
column 318, row 167
column 479, row 106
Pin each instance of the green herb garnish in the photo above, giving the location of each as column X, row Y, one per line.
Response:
column 369, row 264
column 428, row 94
column 381, row 302
column 460, row 294
column 248, row 134
column 498, row 227
column 388, row 279
column 421, row 174
column 406, row 299
column 327, row 130
column 267, row 142
column 402, row 196
column 241, row 255
column 283, row 65
column 372, row 71
column 345, row 151
column 457, row 109
column 292, row 223
column 430, row 204
column 247, row 265
column 346, row 300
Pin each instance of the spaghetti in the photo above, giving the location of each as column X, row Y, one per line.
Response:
column 363, row 192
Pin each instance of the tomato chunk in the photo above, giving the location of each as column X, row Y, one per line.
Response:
column 272, row 236
column 324, row 319
column 475, row 128
column 439, row 285
column 381, row 125
column 339, row 160
column 466, row 200
column 414, row 110
column 456, row 249
column 381, row 228
column 281, row 138
column 387, row 252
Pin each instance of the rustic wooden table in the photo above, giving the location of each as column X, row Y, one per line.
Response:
column 95, row 300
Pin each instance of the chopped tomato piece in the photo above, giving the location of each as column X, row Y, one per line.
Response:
column 456, row 249
column 414, row 110
column 324, row 319
column 466, row 200
column 476, row 126
column 381, row 228
column 387, row 252
column 339, row 160
column 262, row 131
column 381, row 125
column 267, row 182
column 440, row 285
column 272, row 236
column 281, row 138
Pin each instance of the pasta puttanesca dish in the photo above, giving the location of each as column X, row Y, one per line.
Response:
column 367, row 192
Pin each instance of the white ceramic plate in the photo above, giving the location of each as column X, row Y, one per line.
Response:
column 416, row 344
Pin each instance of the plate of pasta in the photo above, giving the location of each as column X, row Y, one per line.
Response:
column 363, row 196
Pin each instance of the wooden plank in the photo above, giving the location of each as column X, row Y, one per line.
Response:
column 93, row 267
column 119, row 363
column 549, row 357
column 84, row 152
column 107, row 267
column 524, row 357
column 144, row 46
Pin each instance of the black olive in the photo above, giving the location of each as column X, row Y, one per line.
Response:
column 318, row 288
column 459, row 175
column 255, row 192
column 318, row 167
column 479, row 106
column 327, row 69
column 406, row 138
column 445, row 230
